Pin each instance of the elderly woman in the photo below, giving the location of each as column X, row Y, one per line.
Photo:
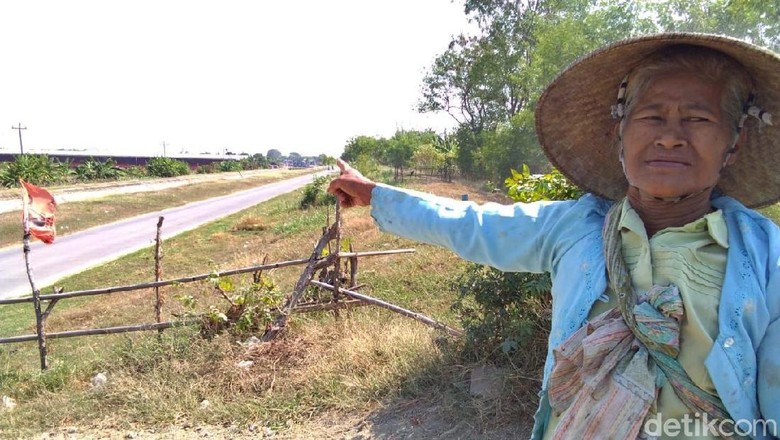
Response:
column 666, row 285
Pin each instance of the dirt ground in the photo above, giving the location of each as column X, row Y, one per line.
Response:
column 414, row 420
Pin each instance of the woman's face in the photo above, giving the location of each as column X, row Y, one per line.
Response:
column 676, row 136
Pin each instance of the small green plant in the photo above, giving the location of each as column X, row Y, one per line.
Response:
column 314, row 194
column 526, row 187
column 166, row 167
column 250, row 308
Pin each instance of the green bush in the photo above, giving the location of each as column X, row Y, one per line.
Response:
column 166, row 167
column 92, row 169
column 314, row 194
column 229, row 165
column 500, row 311
column 504, row 312
column 208, row 168
column 34, row 168
column 526, row 187
column 134, row 172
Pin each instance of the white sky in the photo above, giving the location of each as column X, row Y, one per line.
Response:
column 122, row 77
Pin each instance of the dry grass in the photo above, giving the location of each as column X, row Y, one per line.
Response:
column 365, row 360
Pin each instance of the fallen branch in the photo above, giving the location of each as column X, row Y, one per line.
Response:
column 378, row 302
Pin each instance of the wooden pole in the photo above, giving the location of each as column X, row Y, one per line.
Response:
column 336, row 274
column 36, row 296
column 378, row 302
column 353, row 267
column 102, row 331
column 158, row 271
column 19, row 128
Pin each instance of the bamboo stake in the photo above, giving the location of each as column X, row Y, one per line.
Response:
column 336, row 275
column 280, row 322
column 416, row 316
column 102, row 331
column 353, row 263
column 36, row 293
column 158, row 271
column 190, row 279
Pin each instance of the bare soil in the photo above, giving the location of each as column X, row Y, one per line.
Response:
column 411, row 420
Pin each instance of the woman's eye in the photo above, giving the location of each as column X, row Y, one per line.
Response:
column 696, row 119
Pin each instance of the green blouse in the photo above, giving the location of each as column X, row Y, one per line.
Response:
column 692, row 257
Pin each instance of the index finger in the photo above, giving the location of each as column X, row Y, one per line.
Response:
column 343, row 166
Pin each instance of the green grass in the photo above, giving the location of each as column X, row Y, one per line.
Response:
column 367, row 356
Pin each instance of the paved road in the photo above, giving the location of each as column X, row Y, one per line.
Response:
column 76, row 252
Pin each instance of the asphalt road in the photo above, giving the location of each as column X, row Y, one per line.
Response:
column 76, row 252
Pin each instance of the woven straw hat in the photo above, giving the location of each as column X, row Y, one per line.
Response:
column 574, row 125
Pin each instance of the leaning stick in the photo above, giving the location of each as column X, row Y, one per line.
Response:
column 378, row 302
column 280, row 323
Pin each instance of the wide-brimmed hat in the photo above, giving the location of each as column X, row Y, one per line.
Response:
column 575, row 128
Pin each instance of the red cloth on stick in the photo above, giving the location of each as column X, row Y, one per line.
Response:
column 39, row 207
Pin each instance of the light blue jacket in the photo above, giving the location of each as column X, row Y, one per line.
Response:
column 564, row 238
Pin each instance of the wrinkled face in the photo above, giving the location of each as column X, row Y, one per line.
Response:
column 676, row 136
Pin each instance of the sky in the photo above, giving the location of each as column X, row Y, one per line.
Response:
column 173, row 76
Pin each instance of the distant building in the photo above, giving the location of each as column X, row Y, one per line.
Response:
column 125, row 161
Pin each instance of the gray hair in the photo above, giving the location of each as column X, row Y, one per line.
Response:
column 708, row 64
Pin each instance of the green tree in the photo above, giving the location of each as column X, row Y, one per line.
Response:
column 362, row 145
column 428, row 157
column 274, row 155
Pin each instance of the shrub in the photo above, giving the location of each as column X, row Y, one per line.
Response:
column 526, row 187
column 92, row 169
column 206, row 169
column 34, row 168
column 166, row 167
column 229, row 165
column 502, row 311
column 314, row 194
column 134, row 172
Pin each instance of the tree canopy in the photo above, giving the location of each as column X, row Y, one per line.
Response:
column 489, row 82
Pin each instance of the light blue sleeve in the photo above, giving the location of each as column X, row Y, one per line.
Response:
column 768, row 353
column 524, row 237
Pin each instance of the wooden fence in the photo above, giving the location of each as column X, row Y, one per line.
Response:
column 315, row 262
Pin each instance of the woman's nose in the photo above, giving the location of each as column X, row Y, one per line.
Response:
column 670, row 135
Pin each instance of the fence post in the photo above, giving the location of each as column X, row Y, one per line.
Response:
column 39, row 322
column 158, row 272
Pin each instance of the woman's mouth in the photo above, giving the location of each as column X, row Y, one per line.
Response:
column 665, row 163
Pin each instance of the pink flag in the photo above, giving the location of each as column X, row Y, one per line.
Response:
column 39, row 207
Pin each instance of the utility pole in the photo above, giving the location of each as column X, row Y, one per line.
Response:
column 20, row 128
column 163, row 144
